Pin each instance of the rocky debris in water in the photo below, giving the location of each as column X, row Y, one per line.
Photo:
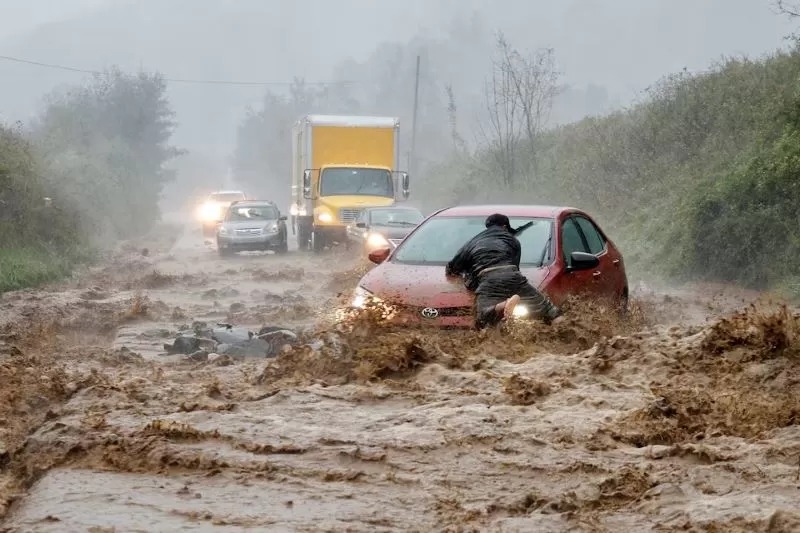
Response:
column 229, row 334
column 188, row 344
column 237, row 307
column 95, row 293
column 254, row 347
column 9, row 350
column 278, row 339
column 225, row 292
column 288, row 297
column 155, row 333
column 199, row 355
column 227, row 339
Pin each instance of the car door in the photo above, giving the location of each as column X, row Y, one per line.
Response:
column 576, row 282
column 609, row 279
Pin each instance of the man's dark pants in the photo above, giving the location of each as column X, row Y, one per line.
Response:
column 497, row 286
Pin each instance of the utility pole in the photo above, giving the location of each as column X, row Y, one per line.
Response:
column 412, row 159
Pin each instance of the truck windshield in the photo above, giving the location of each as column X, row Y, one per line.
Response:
column 356, row 182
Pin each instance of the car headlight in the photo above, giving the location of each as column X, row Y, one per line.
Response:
column 223, row 230
column 325, row 217
column 520, row 311
column 376, row 240
column 360, row 297
column 273, row 228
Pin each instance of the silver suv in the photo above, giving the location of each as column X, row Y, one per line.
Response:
column 252, row 225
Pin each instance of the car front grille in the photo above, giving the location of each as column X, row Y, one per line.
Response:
column 441, row 312
column 248, row 231
column 349, row 214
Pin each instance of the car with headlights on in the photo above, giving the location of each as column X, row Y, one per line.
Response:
column 252, row 225
column 379, row 227
column 564, row 253
column 212, row 210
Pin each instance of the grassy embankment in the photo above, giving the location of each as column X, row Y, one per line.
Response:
column 700, row 180
column 98, row 151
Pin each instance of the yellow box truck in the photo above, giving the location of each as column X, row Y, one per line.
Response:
column 341, row 165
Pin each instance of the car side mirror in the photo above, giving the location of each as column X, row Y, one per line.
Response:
column 307, row 184
column 405, row 185
column 379, row 255
column 361, row 224
column 282, row 218
column 583, row 261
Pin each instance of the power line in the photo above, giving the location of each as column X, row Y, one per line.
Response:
column 176, row 80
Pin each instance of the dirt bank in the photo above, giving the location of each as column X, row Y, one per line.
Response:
column 675, row 419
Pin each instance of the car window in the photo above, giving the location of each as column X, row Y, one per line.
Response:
column 254, row 213
column 593, row 238
column 571, row 240
column 395, row 217
column 438, row 239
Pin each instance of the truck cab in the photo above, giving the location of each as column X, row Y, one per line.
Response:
column 342, row 166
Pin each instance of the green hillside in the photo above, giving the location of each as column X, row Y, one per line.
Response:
column 699, row 180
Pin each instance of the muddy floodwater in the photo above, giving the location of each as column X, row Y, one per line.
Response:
column 681, row 417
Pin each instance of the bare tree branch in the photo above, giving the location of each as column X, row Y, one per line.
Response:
column 785, row 7
column 519, row 99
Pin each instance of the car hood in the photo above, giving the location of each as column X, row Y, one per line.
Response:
column 392, row 232
column 242, row 224
column 426, row 285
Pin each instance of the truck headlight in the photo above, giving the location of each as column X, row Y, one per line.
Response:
column 325, row 217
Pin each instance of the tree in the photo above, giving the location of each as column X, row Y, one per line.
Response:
column 519, row 98
column 103, row 148
column 792, row 9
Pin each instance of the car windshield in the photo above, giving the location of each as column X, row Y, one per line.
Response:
column 253, row 212
column 437, row 240
column 227, row 197
column 395, row 217
column 356, row 181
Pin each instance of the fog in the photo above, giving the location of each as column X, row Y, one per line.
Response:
column 608, row 52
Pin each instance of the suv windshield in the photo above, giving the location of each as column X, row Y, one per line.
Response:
column 356, row 181
column 227, row 197
column 437, row 240
column 253, row 212
column 395, row 217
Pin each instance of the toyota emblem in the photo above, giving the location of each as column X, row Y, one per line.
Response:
column 430, row 312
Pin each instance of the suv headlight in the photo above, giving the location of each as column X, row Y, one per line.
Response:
column 273, row 228
column 223, row 230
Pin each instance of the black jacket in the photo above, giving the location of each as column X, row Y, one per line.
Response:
column 495, row 246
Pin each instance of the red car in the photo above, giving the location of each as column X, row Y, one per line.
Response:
column 563, row 253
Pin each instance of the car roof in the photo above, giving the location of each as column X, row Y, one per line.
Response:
column 511, row 210
column 245, row 203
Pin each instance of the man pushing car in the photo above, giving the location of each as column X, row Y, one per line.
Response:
column 489, row 265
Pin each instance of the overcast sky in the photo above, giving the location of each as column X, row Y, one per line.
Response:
column 621, row 45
